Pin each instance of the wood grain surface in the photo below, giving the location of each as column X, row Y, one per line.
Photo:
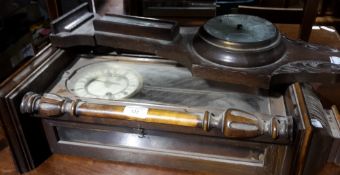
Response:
column 71, row 165
column 63, row 164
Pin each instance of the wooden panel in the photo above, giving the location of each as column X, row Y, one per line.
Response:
column 69, row 165
column 25, row 135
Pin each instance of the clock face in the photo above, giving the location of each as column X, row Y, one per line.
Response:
column 239, row 28
column 104, row 80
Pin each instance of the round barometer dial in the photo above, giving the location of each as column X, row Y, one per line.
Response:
column 238, row 40
column 242, row 29
column 104, row 80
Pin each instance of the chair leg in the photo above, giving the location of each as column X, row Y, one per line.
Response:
column 309, row 14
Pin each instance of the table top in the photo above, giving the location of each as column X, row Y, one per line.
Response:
column 69, row 165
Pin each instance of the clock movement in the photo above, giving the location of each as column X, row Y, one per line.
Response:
column 147, row 91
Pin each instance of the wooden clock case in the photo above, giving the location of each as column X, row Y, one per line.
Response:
column 33, row 139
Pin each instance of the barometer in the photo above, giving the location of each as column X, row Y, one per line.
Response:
column 235, row 48
column 239, row 41
column 242, row 29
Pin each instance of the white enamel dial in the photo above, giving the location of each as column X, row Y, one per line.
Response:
column 104, row 80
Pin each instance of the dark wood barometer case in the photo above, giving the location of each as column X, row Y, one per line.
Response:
column 148, row 91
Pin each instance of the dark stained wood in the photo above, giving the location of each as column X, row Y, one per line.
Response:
column 8, row 125
column 130, row 25
column 26, row 153
column 80, row 15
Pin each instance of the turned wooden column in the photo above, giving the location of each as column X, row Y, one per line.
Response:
column 233, row 123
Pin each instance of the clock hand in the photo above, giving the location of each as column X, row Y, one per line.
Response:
column 107, row 82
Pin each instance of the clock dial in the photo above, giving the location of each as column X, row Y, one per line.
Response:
column 104, row 80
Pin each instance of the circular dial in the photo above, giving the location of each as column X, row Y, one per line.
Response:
column 241, row 28
column 104, row 80
column 239, row 41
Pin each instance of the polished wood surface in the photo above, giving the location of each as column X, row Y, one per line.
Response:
column 72, row 165
column 67, row 165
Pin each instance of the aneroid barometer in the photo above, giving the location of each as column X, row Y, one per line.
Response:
column 239, row 41
column 241, row 29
